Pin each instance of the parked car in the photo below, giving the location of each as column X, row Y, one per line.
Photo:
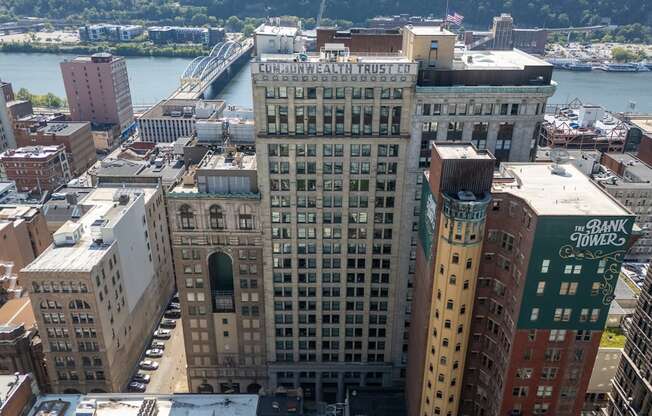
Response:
column 168, row 323
column 137, row 387
column 173, row 314
column 141, row 377
column 162, row 334
column 174, row 305
column 154, row 353
column 175, row 298
column 157, row 344
column 148, row 365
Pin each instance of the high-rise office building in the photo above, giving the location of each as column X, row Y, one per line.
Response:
column 552, row 249
column 216, row 231
column 631, row 393
column 97, row 88
column 99, row 290
column 332, row 146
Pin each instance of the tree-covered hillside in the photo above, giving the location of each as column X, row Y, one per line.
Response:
column 540, row 13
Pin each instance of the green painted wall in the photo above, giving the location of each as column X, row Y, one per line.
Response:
column 427, row 218
column 576, row 241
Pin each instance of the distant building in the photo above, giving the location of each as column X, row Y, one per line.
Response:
column 640, row 132
column 504, row 36
column 24, row 235
column 223, row 205
column 629, row 180
column 584, row 127
column 109, row 32
column 74, row 136
column 235, row 124
column 97, row 88
column 400, row 20
column 21, row 346
column 362, row 39
column 100, row 289
column 36, row 168
column 180, row 34
column 631, row 392
column 270, row 38
column 174, row 118
column 7, row 140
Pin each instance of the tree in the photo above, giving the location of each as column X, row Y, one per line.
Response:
column 248, row 30
column 234, row 24
column 622, row 55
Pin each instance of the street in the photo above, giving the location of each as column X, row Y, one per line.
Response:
column 170, row 377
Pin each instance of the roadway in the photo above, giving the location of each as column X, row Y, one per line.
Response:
column 171, row 375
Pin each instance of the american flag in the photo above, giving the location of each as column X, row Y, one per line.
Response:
column 455, row 19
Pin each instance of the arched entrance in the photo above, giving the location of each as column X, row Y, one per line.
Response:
column 98, row 391
column 220, row 269
column 71, row 391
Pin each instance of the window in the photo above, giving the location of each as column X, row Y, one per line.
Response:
column 544, row 391
column 216, row 217
column 541, row 287
column 246, row 219
column 544, row 266
column 534, row 314
column 557, row 335
column 186, row 217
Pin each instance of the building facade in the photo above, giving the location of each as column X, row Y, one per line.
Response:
column 362, row 39
column 545, row 281
column 109, row 32
column 631, row 393
column 100, row 289
column 97, row 89
column 75, row 137
column 36, row 168
column 7, row 139
column 217, row 239
column 173, row 118
column 332, row 143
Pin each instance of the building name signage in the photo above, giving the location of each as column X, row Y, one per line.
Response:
column 597, row 232
column 335, row 68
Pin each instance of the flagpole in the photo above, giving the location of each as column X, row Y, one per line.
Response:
column 446, row 16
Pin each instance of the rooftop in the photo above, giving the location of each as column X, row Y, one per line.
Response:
column 270, row 30
column 642, row 122
column 32, row 152
column 130, row 404
column 429, row 30
column 185, row 108
column 613, row 338
column 460, row 151
column 550, row 190
column 498, row 60
column 84, row 254
column 62, row 129
column 17, row 312
column 239, row 161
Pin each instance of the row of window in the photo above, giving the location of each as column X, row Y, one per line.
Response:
column 330, row 168
column 216, row 218
column 337, row 93
column 332, row 150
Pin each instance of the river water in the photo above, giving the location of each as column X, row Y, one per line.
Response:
column 152, row 79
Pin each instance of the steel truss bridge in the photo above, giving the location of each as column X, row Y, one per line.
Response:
column 202, row 71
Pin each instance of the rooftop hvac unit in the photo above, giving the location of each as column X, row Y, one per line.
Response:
column 149, row 407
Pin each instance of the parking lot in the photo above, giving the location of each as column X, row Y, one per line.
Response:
column 170, row 376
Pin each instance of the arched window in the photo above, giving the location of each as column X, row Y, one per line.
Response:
column 246, row 219
column 186, row 218
column 216, row 217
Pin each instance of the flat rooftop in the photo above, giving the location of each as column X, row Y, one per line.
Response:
column 62, row 129
column 165, row 108
column 239, row 161
column 548, row 193
column 429, row 30
column 85, row 254
column 497, row 60
column 460, row 151
column 643, row 123
column 168, row 405
column 270, row 30
column 32, row 152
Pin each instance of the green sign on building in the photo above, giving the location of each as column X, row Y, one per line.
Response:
column 573, row 270
column 427, row 218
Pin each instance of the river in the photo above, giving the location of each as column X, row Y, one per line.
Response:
column 152, row 79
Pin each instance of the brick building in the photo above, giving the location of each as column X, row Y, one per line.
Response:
column 75, row 137
column 362, row 39
column 36, row 168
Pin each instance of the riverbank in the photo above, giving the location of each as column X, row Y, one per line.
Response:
column 121, row 49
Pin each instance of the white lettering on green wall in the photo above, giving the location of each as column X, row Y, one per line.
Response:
column 599, row 232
